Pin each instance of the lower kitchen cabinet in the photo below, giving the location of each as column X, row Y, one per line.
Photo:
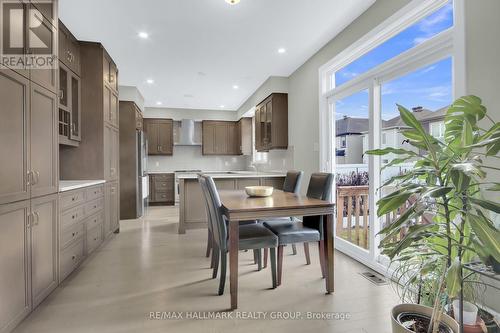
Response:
column 28, row 264
column 81, row 224
column 43, row 247
column 162, row 188
column 112, row 208
column 14, row 264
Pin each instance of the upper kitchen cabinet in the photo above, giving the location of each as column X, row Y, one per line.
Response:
column 28, row 139
column 245, row 129
column 159, row 133
column 97, row 155
column 110, row 72
column 69, row 88
column 271, row 123
column 220, row 138
column 69, row 49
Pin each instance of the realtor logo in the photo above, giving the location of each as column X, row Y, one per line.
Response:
column 27, row 37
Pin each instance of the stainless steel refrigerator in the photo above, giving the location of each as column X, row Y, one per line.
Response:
column 142, row 176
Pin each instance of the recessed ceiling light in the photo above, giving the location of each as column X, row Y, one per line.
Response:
column 159, row 103
column 236, row 87
column 281, row 50
column 143, row 35
column 222, row 106
column 233, row 2
column 150, row 81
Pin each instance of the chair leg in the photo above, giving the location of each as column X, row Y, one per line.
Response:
column 306, row 252
column 223, row 266
column 273, row 266
column 280, row 263
column 259, row 260
column 322, row 262
column 294, row 249
column 209, row 244
column 255, row 256
column 215, row 255
column 266, row 253
column 212, row 260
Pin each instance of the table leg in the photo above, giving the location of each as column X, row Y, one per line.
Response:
column 328, row 234
column 233, row 262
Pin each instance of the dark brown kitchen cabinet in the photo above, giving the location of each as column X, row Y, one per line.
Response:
column 271, row 123
column 43, row 142
column 15, row 270
column 44, row 250
column 162, row 188
column 221, row 138
column 69, row 107
column 97, row 155
column 69, row 88
column 69, row 49
column 28, row 138
column 159, row 133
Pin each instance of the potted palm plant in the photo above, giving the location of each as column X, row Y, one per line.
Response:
column 447, row 222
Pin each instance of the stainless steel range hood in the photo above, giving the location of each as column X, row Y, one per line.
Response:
column 188, row 133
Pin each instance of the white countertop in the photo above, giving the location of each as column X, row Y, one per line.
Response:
column 68, row 185
column 233, row 174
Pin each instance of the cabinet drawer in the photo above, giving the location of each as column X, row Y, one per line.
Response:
column 71, row 217
column 71, row 199
column 93, row 207
column 94, row 238
column 93, row 221
column 94, row 192
column 163, row 185
column 163, row 177
column 163, row 196
column 70, row 258
column 70, row 234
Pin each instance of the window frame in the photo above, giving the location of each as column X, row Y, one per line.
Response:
column 448, row 43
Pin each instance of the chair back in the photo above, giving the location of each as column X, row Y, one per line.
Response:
column 219, row 227
column 320, row 187
column 206, row 196
column 292, row 181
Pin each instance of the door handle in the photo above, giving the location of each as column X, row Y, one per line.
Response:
column 37, row 220
column 37, row 177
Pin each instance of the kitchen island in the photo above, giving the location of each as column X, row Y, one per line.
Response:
column 192, row 211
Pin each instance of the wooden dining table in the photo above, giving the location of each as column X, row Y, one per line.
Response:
column 237, row 206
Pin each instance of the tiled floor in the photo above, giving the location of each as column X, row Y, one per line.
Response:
column 148, row 267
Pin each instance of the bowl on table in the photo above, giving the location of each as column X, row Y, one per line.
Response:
column 259, row 191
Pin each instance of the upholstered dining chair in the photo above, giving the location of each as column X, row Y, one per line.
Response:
column 292, row 184
column 311, row 227
column 210, row 240
column 252, row 236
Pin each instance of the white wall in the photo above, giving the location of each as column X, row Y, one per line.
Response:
column 190, row 158
column 482, row 28
column 131, row 93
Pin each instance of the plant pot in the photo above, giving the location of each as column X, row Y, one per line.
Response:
column 419, row 310
column 489, row 321
column 470, row 312
column 476, row 328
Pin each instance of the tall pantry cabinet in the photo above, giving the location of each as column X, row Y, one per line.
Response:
column 98, row 154
column 29, row 180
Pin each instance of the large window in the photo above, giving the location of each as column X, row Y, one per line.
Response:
column 410, row 61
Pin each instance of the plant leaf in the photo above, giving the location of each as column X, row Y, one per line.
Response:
column 487, row 234
column 392, row 202
column 487, row 204
column 390, row 150
column 453, row 278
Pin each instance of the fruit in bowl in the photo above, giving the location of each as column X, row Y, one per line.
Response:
column 259, row 191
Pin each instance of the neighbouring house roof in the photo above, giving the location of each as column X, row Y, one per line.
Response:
column 423, row 115
column 348, row 125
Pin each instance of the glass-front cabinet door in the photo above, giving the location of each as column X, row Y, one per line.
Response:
column 75, row 133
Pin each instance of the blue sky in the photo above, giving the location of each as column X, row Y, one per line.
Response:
column 430, row 87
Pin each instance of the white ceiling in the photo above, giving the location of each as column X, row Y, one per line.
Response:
column 198, row 50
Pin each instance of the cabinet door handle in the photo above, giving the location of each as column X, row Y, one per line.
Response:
column 37, row 220
column 61, row 94
column 29, row 178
